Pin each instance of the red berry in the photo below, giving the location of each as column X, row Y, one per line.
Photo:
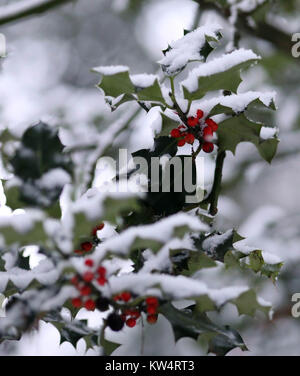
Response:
column 152, row 319
column 90, row 305
column 208, row 147
column 88, row 276
column 151, row 309
column 126, row 296
column 75, row 280
column 208, row 133
column 131, row 322
column 101, row 271
column 123, row 317
column 212, row 124
column 152, row 300
column 133, row 313
column 189, row 138
column 192, row 121
column 102, row 281
column 97, row 228
column 78, row 252
column 77, row 303
column 89, row 263
column 85, row 290
column 86, row 246
column 181, row 142
column 200, row 114
column 116, row 298
column 181, row 127
column 175, row 133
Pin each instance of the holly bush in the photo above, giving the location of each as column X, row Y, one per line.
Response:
column 145, row 260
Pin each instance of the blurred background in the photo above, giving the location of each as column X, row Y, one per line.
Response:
column 46, row 75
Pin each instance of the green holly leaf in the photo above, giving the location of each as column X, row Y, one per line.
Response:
column 114, row 85
column 151, row 93
column 217, row 245
column 193, row 46
column 248, row 303
column 198, row 261
column 41, row 152
column 254, row 261
column 187, row 323
column 229, row 79
column 167, row 125
column 239, row 129
column 31, row 234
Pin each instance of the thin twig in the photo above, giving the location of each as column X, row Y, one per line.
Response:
column 26, row 8
column 213, row 198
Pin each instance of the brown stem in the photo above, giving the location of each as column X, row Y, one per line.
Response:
column 213, row 198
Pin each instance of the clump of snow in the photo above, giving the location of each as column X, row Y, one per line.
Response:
column 175, row 287
column 187, row 48
column 111, row 70
column 218, row 65
column 161, row 260
column 267, row 132
column 237, row 102
column 213, row 242
column 161, row 232
column 21, row 222
column 143, row 80
column 56, row 177
column 91, row 203
column 45, row 273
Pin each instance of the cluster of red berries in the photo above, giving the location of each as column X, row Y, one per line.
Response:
column 83, row 285
column 87, row 246
column 196, row 128
column 151, row 308
column 86, row 298
column 131, row 315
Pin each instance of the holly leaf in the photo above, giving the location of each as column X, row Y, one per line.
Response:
column 248, row 303
column 239, row 129
column 40, row 153
column 114, row 85
column 151, row 93
column 167, row 125
column 198, row 261
column 187, row 323
column 217, row 245
column 228, row 79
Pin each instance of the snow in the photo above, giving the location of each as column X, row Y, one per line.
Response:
column 46, row 273
column 161, row 260
column 111, row 70
column 237, row 102
column 143, row 80
column 91, row 203
column 267, row 132
column 161, row 232
column 54, row 178
column 218, row 65
column 21, row 222
column 210, row 244
column 245, row 5
column 187, row 48
column 174, row 287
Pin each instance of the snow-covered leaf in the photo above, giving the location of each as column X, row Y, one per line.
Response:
column 222, row 73
column 193, row 46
